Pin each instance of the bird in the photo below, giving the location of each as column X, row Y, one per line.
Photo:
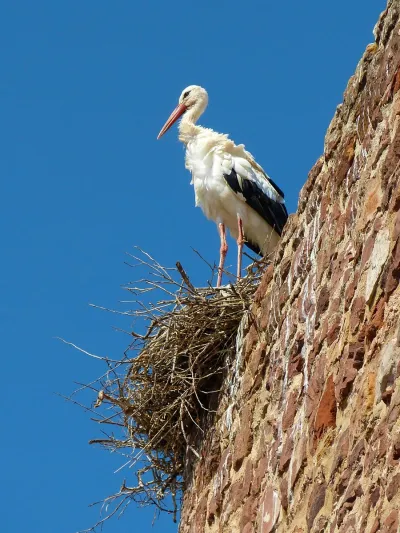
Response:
column 231, row 188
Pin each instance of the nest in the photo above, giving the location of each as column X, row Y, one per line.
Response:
column 161, row 397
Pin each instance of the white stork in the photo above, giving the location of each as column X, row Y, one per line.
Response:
column 230, row 187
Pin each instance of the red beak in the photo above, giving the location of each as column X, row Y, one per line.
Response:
column 176, row 113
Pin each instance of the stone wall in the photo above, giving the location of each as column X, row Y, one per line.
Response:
column 307, row 435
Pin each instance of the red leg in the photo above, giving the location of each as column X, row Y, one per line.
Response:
column 240, row 242
column 222, row 252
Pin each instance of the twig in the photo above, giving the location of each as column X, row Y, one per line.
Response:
column 185, row 278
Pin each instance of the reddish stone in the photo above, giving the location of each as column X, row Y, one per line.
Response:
column 277, row 376
column 283, row 295
column 343, row 482
column 326, row 250
column 314, row 353
column 335, row 324
column 367, row 250
column 394, row 207
column 258, row 381
column 375, row 493
column 258, row 475
column 200, row 515
column 332, row 142
column 357, row 453
column 284, row 267
column 283, row 490
column 396, row 447
column 273, row 455
column 391, row 523
column 338, row 267
column 392, row 157
column 396, row 230
column 376, row 321
column 340, row 229
column 372, row 201
column 393, row 487
column 299, row 261
column 323, row 332
column 304, row 302
column 298, row 460
column 351, row 361
column 248, row 478
column 250, row 341
column 383, row 443
column 270, row 509
column 350, row 214
column 296, row 360
column 391, row 274
column 348, row 294
column 266, row 314
column 357, row 312
column 211, row 460
column 315, row 503
column 347, row 149
column 326, row 414
column 324, row 206
column 341, row 451
column 286, row 454
column 379, row 448
column 353, row 492
column 334, row 306
column 244, row 438
column 396, row 83
column 378, row 223
column 247, row 383
column 322, row 303
column 290, row 412
column 308, row 186
column 240, row 489
column 315, row 385
column 224, row 469
column 345, row 162
column 255, row 508
column 213, row 508
column 375, row 526
column 256, row 356
column 265, row 281
column 394, row 412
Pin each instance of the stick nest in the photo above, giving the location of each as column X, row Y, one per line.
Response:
column 160, row 398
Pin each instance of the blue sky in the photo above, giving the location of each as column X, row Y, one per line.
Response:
column 84, row 89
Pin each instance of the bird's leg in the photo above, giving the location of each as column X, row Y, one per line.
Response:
column 240, row 242
column 222, row 252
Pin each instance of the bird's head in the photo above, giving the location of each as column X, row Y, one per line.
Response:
column 193, row 100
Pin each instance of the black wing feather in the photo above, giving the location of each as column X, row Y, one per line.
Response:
column 253, row 247
column 273, row 212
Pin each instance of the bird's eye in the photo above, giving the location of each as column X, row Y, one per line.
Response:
column 186, row 94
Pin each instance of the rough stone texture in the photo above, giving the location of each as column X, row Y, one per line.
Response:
column 307, row 435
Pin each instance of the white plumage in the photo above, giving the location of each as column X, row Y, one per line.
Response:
column 212, row 193
column 230, row 187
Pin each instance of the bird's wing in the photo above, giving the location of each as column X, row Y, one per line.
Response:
column 252, row 185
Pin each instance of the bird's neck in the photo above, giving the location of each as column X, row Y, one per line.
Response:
column 188, row 129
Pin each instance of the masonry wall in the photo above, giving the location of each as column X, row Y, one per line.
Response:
column 307, row 435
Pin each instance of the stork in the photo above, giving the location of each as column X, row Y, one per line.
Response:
column 230, row 186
